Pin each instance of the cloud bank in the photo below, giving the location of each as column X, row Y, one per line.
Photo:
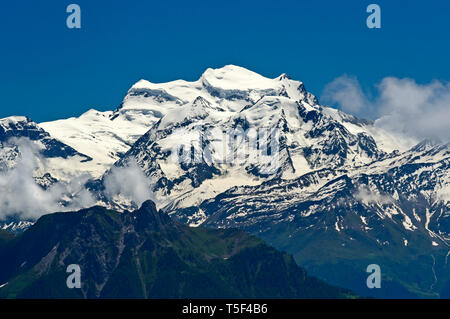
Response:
column 21, row 197
column 367, row 196
column 128, row 183
column 401, row 106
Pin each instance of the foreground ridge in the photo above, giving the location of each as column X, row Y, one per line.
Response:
column 145, row 254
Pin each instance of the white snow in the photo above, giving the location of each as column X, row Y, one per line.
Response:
column 233, row 77
column 336, row 225
column 96, row 135
column 363, row 219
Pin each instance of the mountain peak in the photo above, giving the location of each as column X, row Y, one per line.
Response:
column 227, row 77
column 148, row 206
column 232, row 77
column 284, row 76
column 13, row 120
column 148, row 217
column 230, row 68
column 201, row 101
column 142, row 83
column 19, row 126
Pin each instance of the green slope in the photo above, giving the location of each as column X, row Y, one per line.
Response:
column 341, row 259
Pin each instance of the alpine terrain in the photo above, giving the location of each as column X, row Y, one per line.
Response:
column 235, row 149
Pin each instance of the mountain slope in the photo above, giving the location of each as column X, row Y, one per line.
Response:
column 104, row 136
column 145, row 254
column 395, row 213
column 55, row 160
column 19, row 126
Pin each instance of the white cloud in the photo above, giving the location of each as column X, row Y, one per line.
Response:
column 128, row 183
column 367, row 196
column 21, row 196
column 402, row 105
column 422, row 111
column 346, row 92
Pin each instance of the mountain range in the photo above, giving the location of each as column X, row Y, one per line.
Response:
column 342, row 192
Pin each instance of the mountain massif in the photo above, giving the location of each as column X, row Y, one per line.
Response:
column 337, row 192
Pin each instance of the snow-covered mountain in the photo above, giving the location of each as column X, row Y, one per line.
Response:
column 105, row 136
column 341, row 184
column 60, row 159
column 236, row 149
column 32, row 163
column 199, row 117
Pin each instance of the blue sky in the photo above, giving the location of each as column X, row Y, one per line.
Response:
column 48, row 71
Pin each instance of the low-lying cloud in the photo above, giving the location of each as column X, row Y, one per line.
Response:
column 401, row 106
column 128, row 183
column 21, row 197
column 367, row 196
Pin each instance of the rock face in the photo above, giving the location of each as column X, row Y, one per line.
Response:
column 145, row 254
